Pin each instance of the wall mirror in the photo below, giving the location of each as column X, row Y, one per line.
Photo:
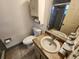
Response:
column 58, row 12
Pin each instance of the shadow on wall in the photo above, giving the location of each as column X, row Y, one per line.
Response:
column 25, row 8
column 16, row 21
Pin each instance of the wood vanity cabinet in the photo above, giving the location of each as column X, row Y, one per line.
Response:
column 39, row 54
column 71, row 20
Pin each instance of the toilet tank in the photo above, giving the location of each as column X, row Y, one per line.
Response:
column 37, row 31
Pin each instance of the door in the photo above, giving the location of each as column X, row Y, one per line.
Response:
column 71, row 20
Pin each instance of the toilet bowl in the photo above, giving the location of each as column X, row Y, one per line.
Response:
column 28, row 40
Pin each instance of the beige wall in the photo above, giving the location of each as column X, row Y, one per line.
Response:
column 47, row 11
column 44, row 11
column 15, row 21
column 41, row 9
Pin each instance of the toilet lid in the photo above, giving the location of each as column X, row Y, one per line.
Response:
column 28, row 40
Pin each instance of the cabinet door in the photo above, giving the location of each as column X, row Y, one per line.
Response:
column 71, row 20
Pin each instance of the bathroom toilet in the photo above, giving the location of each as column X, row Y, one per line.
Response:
column 28, row 40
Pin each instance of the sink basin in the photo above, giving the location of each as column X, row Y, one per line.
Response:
column 49, row 44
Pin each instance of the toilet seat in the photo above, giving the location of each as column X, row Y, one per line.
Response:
column 28, row 40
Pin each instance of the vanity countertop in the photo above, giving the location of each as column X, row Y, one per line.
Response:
column 48, row 55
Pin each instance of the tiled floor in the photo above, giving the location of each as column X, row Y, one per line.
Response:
column 20, row 52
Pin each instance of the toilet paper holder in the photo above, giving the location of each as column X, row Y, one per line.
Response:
column 8, row 40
